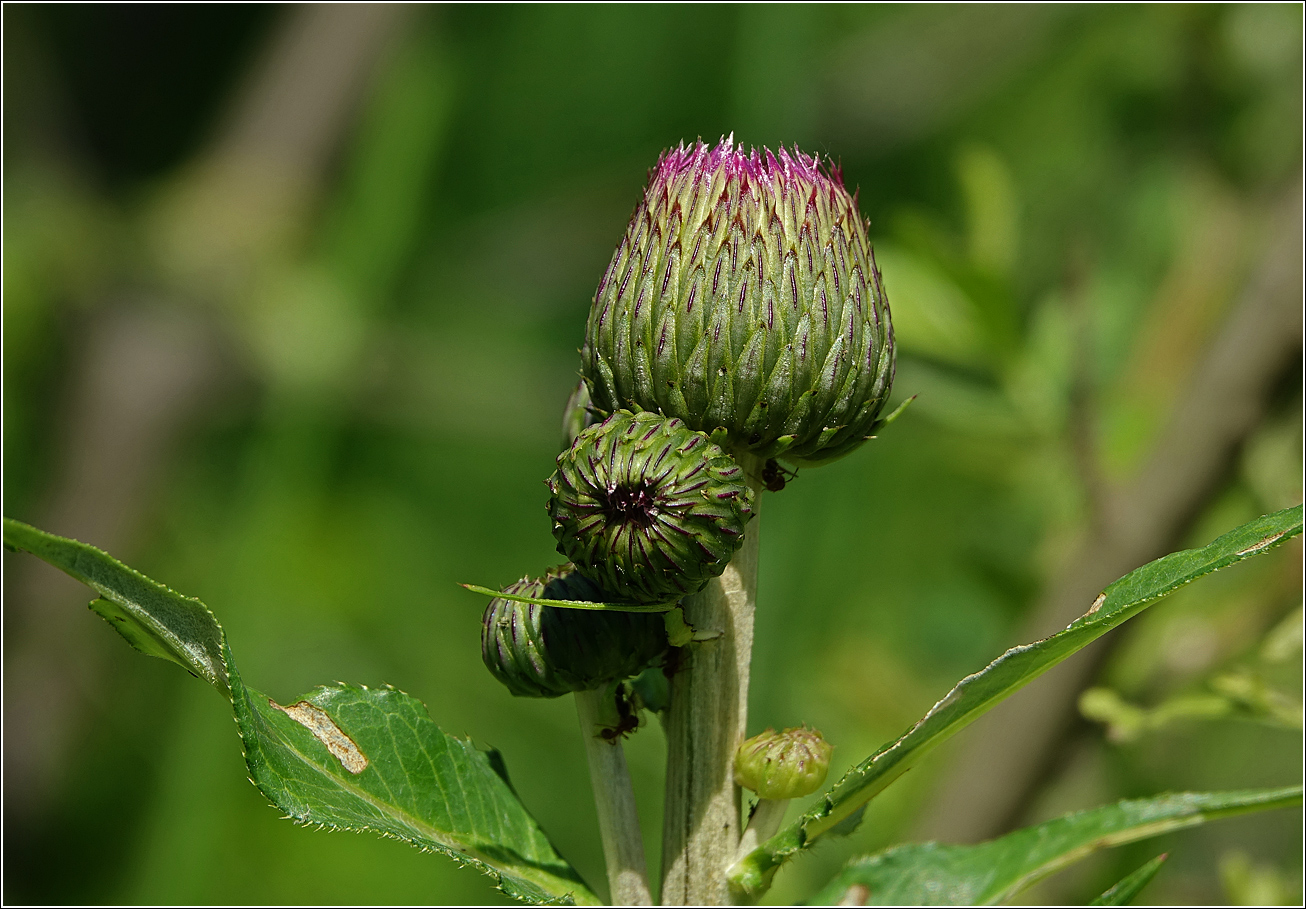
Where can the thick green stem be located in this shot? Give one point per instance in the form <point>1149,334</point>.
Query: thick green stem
<point>706,723</point>
<point>623,846</point>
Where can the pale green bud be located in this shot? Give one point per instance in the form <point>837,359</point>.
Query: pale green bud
<point>783,765</point>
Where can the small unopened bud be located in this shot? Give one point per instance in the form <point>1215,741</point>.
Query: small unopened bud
<point>548,651</point>
<point>647,508</point>
<point>783,765</point>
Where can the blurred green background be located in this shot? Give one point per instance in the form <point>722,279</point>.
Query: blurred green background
<point>292,303</point>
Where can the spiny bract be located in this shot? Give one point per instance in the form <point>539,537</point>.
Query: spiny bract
<point>647,508</point>
<point>548,651</point>
<point>744,297</point>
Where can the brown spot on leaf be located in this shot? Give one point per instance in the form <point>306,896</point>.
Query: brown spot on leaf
<point>856,895</point>
<point>325,730</point>
<point>1097,604</point>
<point>1261,544</point>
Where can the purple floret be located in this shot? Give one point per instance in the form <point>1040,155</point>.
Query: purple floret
<point>796,168</point>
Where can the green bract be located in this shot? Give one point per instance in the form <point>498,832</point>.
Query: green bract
<point>647,508</point>
<point>783,765</point>
<point>544,651</point>
<point>744,296</point>
<point>578,414</point>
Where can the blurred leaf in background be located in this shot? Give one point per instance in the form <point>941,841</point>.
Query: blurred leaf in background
<point>292,304</point>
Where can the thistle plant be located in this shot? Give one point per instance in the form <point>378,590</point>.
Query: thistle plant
<point>741,320</point>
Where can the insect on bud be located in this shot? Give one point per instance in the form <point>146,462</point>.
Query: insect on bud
<point>548,651</point>
<point>647,508</point>
<point>744,296</point>
<point>783,765</point>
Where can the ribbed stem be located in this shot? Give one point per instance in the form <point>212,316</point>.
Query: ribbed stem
<point>623,846</point>
<point>706,723</point>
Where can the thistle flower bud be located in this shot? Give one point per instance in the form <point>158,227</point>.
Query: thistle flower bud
<point>647,508</point>
<point>783,765</point>
<point>744,296</point>
<point>577,415</point>
<point>547,651</point>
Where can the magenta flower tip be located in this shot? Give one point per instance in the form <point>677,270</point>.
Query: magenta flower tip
<point>794,167</point>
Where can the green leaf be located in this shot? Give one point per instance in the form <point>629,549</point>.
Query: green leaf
<point>977,693</point>
<point>897,412</point>
<point>355,758</point>
<point>345,756</point>
<point>153,619</point>
<point>617,606</point>
<point>933,875</point>
<point>1122,893</point>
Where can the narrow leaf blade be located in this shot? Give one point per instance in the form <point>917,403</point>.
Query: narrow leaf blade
<point>977,693</point>
<point>930,874</point>
<point>1124,892</point>
<point>570,604</point>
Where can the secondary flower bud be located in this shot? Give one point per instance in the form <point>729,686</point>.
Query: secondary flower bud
<point>783,765</point>
<point>647,508</point>
<point>744,295</point>
<point>577,415</point>
<point>547,651</point>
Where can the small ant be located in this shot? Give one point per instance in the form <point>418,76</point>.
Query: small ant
<point>624,727</point>
<point>627,718</point>
<point>671,662</point>
<point>774,476</point>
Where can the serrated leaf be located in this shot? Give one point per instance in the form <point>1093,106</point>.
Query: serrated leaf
<point>345,757</point>
<point>1128,888</point>
<point>153,619</point>
<point>933,875</point>
<point>977,693</point>
<point>356,758</point>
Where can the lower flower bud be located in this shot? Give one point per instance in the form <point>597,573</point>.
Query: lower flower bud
<point>548,651</point>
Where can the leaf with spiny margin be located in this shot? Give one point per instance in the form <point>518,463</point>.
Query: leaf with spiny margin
<point>974,695</point>
<point>929,874</point>
<point>1128,888</point>
<point>153,619</point>
<point>345,756</point>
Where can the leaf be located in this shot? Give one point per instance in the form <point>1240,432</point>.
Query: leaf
<point>153,619</point>
<point>355,758</point>
<point>571,604</point>
<point>977,693</point>
<point>346,757</point>
<point>933,875</point>
<point>1122,893</point>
